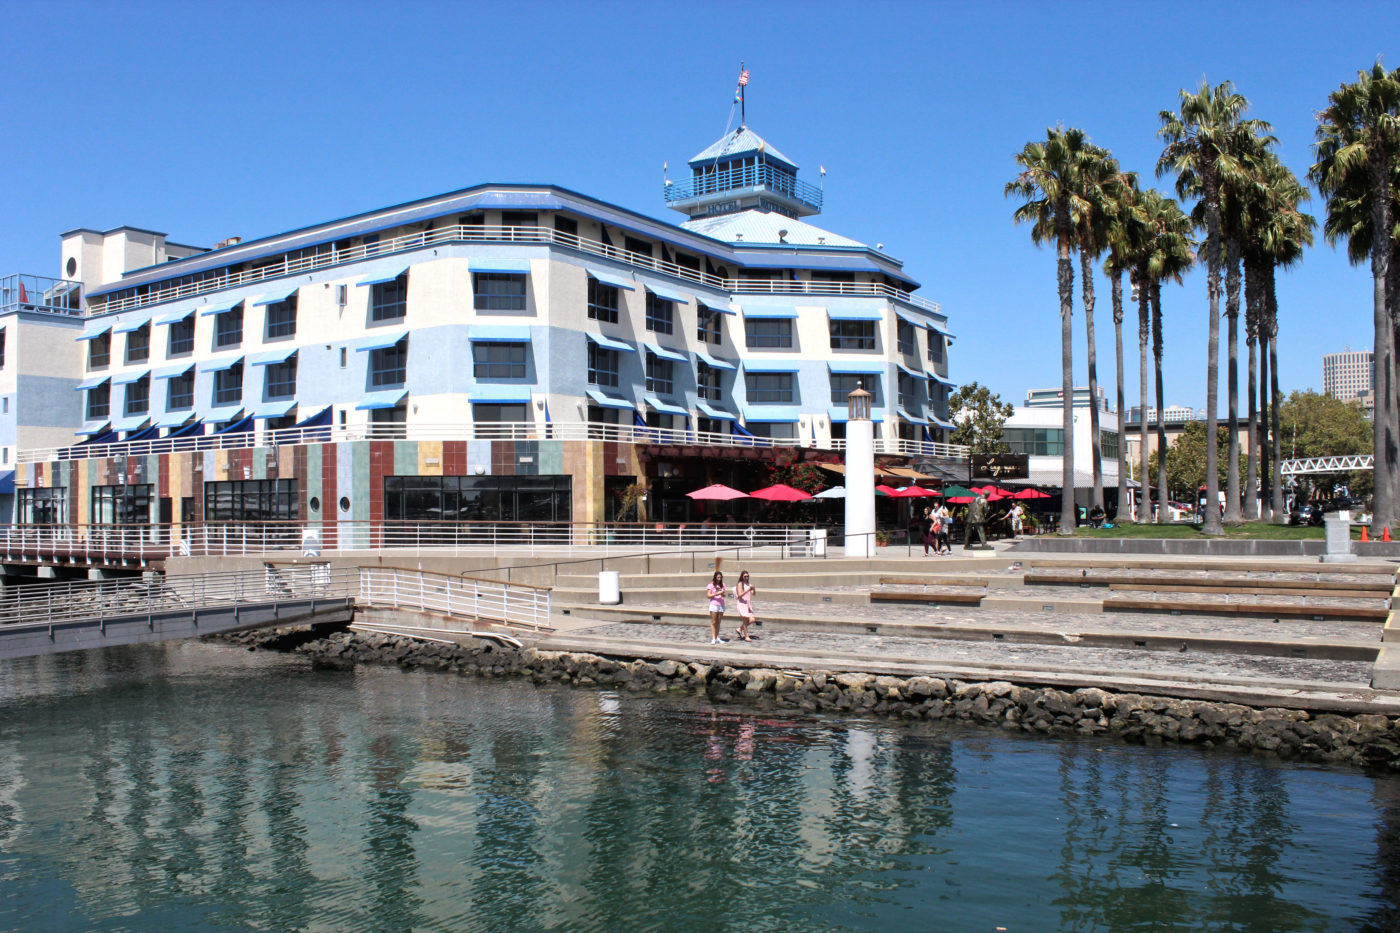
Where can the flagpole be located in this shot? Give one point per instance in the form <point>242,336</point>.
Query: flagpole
<point>743,117</point>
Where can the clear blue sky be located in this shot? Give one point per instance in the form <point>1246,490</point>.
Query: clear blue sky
<point>207,121</point>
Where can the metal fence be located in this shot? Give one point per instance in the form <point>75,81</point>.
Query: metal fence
<point>492,601</point>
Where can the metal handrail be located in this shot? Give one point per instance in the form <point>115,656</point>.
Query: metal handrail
<point>514,604</point>
<point>749,176</point>
<point>494,431</point>
<point>462,233</point>
<point>22,291</point>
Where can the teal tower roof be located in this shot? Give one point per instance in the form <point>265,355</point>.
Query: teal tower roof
<point>741,172</point>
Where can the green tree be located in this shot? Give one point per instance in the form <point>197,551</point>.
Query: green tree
<point>1358,143</point>
<point>979,415</point>
<point>1187,461</point>
<point>1201,148</point>
<point>1317,425</point>
<point>1049,184</point>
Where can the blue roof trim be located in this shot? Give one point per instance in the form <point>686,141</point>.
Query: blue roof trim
<point>842,368</point>
<point>669,294</point>
<point>379,278</point>
<point>379,342</point>
<point>500,393</point>
<point>607,401</point>
<point>841,414</point>
<point>499,333</point>
<point>92,382</point>
<point>769,311</point>
<point>611,278</point>
<point>610,343</point>
<point>710,411</point>
<point>668,407</point>
<point>667,354</point>
<point>771,366</point>
<point>508,266</point>
<point>279,295</point>
<point>221,364</point>
<point>172,317</point>
<point>272,356</point>
<point>785,414</point>
<point>854,314</point>
<point>274,409</point>
<point>385,399</point>
<point>713,362</point>
<point>219,307</point>
<point>127,378</point>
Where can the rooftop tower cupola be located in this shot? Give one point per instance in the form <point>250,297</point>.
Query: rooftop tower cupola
<point>741,172</point>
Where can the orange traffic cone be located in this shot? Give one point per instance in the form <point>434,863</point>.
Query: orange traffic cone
<point>1385,533</point>
<point>1364,536</point>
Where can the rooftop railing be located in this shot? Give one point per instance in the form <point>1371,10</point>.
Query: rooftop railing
<point>490,431</point>
<point>308,261</point>
<point>41,294</point>
<point>751,176</point>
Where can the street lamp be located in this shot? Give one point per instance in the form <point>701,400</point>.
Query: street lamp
<point>860,476</point>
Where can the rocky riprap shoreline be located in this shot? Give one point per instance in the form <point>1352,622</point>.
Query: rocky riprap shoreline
<point>1369,740</point>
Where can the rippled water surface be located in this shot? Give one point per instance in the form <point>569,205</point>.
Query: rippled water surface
<point>200,787</point>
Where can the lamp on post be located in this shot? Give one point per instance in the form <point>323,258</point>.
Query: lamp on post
<point>858,404</point>
<point>860,476</point>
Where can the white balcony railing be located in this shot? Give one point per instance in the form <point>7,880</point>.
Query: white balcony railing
<point>309,261</point>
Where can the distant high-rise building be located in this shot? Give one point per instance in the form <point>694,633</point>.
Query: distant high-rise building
<point>1347,376</point>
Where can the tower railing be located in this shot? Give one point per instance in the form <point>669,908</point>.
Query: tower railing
<point>41,294</point>
<point>763,175</point>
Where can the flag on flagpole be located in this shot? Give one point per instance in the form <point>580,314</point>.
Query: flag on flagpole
<point>743,77</point>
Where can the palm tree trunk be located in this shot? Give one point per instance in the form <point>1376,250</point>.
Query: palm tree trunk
<point>1164,513</point>
<point>1250,506</point>
<point>1233,514</point>
<point>1266,501</point>
<point>1386,455</point>
<point>1211,512</point>
<point>1276,397</point>
<point>1144,331</point>
<point>1086,275</point>
<point>1065,275</point>
<point>1117,289</point>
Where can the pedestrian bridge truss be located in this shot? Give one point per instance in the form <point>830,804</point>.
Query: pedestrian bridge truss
<point>1339,464</point>
<point>37,619</point>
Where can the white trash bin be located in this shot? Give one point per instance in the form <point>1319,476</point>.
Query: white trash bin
<point>818,542</point>
<point>609,587</point>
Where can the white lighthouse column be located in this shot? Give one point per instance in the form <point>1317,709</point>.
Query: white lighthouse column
<point>860,477</point>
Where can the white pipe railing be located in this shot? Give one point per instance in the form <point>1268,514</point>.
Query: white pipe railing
<point>490,601</point>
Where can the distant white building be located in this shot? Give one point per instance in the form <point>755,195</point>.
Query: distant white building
<point>1037,429</point>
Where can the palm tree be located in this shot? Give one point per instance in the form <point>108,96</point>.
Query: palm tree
<point>1171,256</point>
<point>1122,230</point>
<point>1048,182</point>
<point>1200,149</point>
<point>1358,143</point>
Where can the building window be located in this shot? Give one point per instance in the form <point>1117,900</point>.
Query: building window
<point>518,498</point>
<point>777,430</point>
<point>1109,444</point>
<point>282,318</point>
<point>770,388</point>
<point>498,362</point>
<point>904,332</point>
<point>42,506</point>
<point>228,385</point>
<point>256,500</point>
<point>661,314</point>
<point>843,384</point>
<point>497,413</point>
<point>121,505</point>
<point>707,384</point>
<point>852,335</point>
<point>138,344</point>
<point>602,301</point>
<point>659,375</point>
<point>767,333</point>
<point>665,421</point>
<point>908,393</point>
<point>711,426</point>
<point>1040,442</point>
<point>228,328</point>
<point>394,414</point>
<point>138,397</point>
<point>181,339</point>
<point>2,348</point>
<point>388,367</point>
<point>99,401</point>
<point>517,219</point>
<point>708,326</point>
<point>388,301</point>
<point>180,394</point>
<point>566,225</point>
<point>634,245</point>
<point>935,347</point>
<point>281,379</point>
<point>602,365</point>
<point>100,351</point>
<point>499,291</point>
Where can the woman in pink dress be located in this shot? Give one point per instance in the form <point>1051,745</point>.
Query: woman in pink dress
<point>715,593</point>
<point>744,592</point>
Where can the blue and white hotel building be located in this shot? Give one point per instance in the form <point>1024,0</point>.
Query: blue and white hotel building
<point>503,352</point>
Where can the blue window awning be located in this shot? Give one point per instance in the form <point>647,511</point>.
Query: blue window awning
<point>192,429</point>
<point>712,362</point>
<point>271,357</point>
<point>499,333</point>
<point>237,427</point>
<point>126,378</point>
<point>854,314</point>
<point>219,365</point>
<point>783,414</point>
<point>613,279</point>
<point>934,419</point>
<point>379,278</point>
<point>170,372</point>
<point>173,317</point>
<point>129,324</point>
<point>220,415</point>
<point>321,419</point>
<point>91,428</point>
<point>277,294</point>
<point>916,373</point>
<point>938,329</point>
<point>912,419</point>
<point>507,266</point>
<point>274,409</point>
<point>130,424</point>
<point>219,308</point>
<point>840,414</point>
<point>841,367</point>
<point>723,307</point>
<point>669,294</point>
<point>379,341</point>
<point>500,394</point>
<point>608,401</point>
<point>770,312</point>
<point>667,407</point>
<point>173,419</point>
<point>770,366</point>
<point>385,399</point>
<point>92,382</point>
<point>710,411</point>
<point>941,380</point>
<point>611,344</point>
<point>7,483</point>
<point>666,354</point>
<point>94,330</point>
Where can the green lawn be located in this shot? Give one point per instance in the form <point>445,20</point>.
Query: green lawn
<point>1187,530</point>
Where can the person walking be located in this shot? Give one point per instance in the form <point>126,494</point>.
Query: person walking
<point>743,593</point>
<point>715,593</point>
<point>1017,517</point>
<point>942,530</point>
<point>927,527</point>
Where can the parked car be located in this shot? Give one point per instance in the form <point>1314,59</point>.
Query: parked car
<point>1305,515</point>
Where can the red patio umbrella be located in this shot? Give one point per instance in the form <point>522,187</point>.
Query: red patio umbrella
<point>883,490</point>
<point>1031,494</point>
<point>960,500</point>
<point>913,492</point>
<point>718,492</point>
<point>780,493</point>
